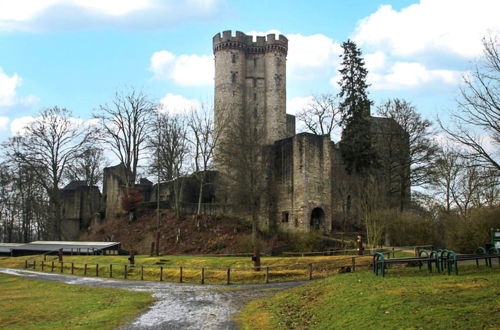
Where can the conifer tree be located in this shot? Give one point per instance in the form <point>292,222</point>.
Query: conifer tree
<point>356,143</point>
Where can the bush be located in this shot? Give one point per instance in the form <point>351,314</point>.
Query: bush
<point>131,199</point>
<point>409,228</point>
<point>466,234</point>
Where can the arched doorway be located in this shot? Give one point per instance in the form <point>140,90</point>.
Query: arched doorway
<point>317,218</point>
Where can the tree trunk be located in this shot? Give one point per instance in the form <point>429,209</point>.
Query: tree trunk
<point>200,196</point>
<point>255,242</point>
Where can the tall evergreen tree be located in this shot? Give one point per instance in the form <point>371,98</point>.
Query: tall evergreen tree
<point>356,143</point>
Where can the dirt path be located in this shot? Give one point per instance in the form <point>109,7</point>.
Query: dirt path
<point>179,306</point>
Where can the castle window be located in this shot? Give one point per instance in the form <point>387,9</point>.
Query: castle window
<point>255,62</point>
<point>284,216</point>
<point>277,60</point>
<point>233,58</point>
<point>233,76</point>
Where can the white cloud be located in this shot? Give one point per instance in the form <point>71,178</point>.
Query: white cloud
<point>386,75</point>
<point>403,75</point>
<point>296,104</point>
<point>4,123</point>
<point>308,56</point>
<point>375,61</point>
<point>184,70</point>
<point>18,125</point>
<point>8,91</point>
<point>74,14</point>
<point>178,104</point>
<point>455,26</point>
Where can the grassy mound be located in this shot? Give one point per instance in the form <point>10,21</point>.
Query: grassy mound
<point>406,298</point>
<point>32,304</point>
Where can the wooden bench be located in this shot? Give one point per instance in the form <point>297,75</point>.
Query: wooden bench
<point>380,262</point>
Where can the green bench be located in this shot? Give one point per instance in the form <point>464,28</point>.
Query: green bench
<point>380,262</point>
<point>452,259</point>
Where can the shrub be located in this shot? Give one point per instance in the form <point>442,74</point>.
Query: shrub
<point>131,199</point>
<point>466,234</point>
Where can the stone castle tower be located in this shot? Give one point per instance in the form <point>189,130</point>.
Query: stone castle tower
<point>250,76</point>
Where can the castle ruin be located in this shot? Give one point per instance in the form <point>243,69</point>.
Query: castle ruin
<point>308,187</point>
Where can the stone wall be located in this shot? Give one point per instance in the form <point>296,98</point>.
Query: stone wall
<point>80,204</point>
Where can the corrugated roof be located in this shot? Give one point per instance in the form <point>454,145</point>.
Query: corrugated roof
<point>7,247</point>
<point>65,245</point>
<point>48,246</point>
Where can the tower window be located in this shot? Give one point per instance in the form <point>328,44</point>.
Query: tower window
<point>255,62</point>
<point>233,58</point>
<point>233,76</point>
<point>284,216</point>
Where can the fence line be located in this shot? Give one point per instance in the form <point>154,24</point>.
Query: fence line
<point>229,275</point>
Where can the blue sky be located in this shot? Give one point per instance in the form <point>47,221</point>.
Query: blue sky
<point>77,53</point>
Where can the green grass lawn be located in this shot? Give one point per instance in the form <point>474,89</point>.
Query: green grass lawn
<point>281,268</point>
<point>33,304</point>
<point>406,298</point>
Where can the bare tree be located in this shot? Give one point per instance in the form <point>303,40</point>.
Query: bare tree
<point>48,147</point>
<point>465,184</point>
<point>204,137</point>
<point>477,118</point>
<point>446,169</point>
<point>126,125</point>
<point>321,115</point>
<point>89,167</point>
<point>242,156</point>
<point>171,148</point>
<point>422,148</point>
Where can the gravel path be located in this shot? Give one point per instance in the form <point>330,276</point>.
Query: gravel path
<point>179,306</point>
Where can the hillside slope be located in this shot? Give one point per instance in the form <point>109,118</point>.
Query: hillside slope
<point>190,234</point>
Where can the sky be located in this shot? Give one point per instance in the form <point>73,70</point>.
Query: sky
<point>78,53</point>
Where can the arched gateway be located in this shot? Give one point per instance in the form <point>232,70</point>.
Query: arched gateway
<point>317,218</point>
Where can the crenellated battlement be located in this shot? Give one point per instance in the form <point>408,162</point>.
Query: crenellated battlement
<point>244,42</point>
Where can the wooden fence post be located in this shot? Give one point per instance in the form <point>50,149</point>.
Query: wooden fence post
<point>229,276</point>
<point>202,275</point>
<point>267,274</point>
<point>110,270</point>
<point>52,267</point>
<point>180,274</point>
<point>96,270</point>
<point>125,272</point>
<point>142,273</point>
<point>85,270</point>
<point>310,268</point>
<point>34,264</point>
<point>26,264</point>
<point>161,273</point>
<point>353,264</point>
<point>72,268</point>
<point>43,264</point>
